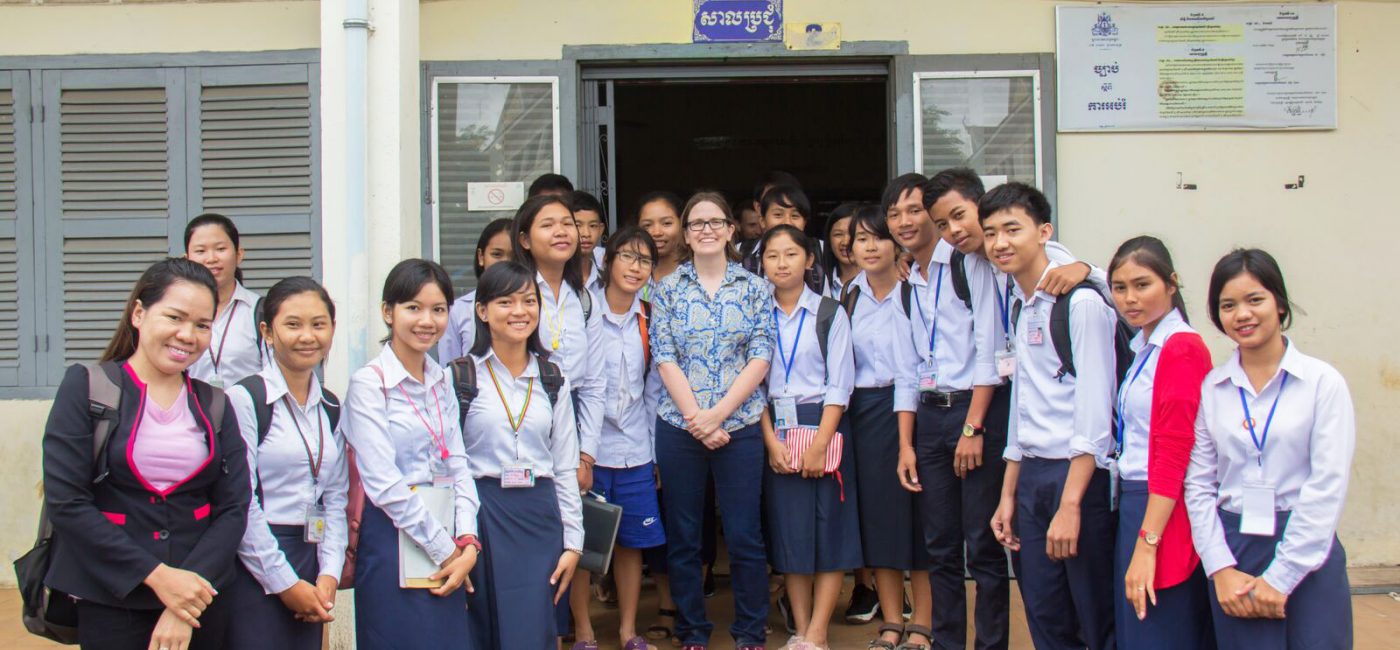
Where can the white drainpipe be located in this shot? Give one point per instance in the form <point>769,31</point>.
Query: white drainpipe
<point>357,29</point>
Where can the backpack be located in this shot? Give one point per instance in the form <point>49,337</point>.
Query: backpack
<point>50,613</point>
<point>961,288</point>
<point>850,293</point>
<point>1059,334</point>
<point>262,412</point>
<point>464,383</point>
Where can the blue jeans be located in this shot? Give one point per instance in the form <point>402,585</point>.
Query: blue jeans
<point>737,467</point>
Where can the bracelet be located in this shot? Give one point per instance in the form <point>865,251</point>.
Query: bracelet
<point>574,550</point>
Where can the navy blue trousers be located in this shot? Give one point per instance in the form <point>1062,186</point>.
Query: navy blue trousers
<point>263,621</point>
<point>1181,618</point>
<point>1068,603</point>
<point>388,617</point>
<point>956,515</point>
<point>103,627</point>
<point>737,467</point>
<point>1318,613</point>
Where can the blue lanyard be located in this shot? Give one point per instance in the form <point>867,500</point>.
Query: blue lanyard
<point>788,359</point>
<point>937,298</point>
<point>1261,440</point>
<point>1123,400</point>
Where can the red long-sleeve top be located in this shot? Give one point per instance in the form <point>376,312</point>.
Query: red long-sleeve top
<point>1176,396</point>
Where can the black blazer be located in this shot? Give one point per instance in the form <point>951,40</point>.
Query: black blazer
<point>110,535</point>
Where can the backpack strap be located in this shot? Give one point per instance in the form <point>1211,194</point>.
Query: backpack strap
<point>552,379</point>
<point>960,285</point>
<point>585,298</point>
<point>644,324</point>
<point>826,313</point>
<point>906,298</point>
<point>464,385</point>
<point>1015,316</point>
<point>262,411</point>
<point>1059,329</point>
<point>849,296</point>
<point>331,405</point>
<point>104,396</point>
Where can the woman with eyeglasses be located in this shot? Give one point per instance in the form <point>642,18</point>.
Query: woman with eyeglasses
<point>712,339</point>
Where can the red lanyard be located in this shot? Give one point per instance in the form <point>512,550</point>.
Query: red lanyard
<point>320,439</point>
<point>216,357</point>
<point>438,438</point>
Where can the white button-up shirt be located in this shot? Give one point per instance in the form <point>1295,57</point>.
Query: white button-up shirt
<point>883,339</point>
<point>1306,459</point>
<point>1135,395</point>
<point>1005,290</point>
<point>282,465</point>
<point>811,380</point>
<point>1071,415</point>
<point>628,427</point>
<point>547,440</point>
<point>964,346</point>
<point>233,351</point>
<point>395,449</point>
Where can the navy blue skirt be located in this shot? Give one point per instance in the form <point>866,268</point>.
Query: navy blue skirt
<point>263,621</point>
<point>388,617</point>
<point>891,529</point>
<point>1181,618</point>
<point>813,524</point>
<point>523,535</point>
<point>1318,613</point>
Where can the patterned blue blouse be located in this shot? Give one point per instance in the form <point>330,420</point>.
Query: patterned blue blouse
<point>712,339</point>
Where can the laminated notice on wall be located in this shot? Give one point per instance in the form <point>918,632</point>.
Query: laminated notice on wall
<point>1191,67</point>
<point>492,197</point>
<point>812,36</point>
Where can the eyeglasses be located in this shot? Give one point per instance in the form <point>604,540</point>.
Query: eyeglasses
<point>633,258</point>
<point>712,224</point>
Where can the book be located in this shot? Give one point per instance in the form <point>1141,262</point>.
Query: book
<point>415,566</point>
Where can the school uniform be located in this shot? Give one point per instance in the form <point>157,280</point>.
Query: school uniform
<point>461,328</point>
<point>526,524</point>
<point>1305,428</point>
<point>153,506</point>
<point>834,286</point>
<point>891,527</point>
<point>815,277</point>
<point>298,472</point>
<point>957,346</point>
<point>815,522</point>
<point>1052,421</point>
<point>236,349</point>
<point>406,434</point>
<point>625,470</point>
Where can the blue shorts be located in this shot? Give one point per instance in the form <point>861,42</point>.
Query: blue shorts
<point>634,489</point>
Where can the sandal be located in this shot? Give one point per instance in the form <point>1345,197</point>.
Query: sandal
<point>659,632</point>
<point>637,643</point>
<point>909,631</point>
<point>881,644</point>
<point>585,645</point>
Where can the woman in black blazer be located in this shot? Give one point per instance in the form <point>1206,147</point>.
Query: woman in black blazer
<point>146,535</point>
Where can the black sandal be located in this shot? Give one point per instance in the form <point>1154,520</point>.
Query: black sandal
<point>881,644</point>
<point>659,632</point>
<point>920,630</point>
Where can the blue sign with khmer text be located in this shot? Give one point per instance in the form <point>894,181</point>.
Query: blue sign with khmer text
<point>738,21</point>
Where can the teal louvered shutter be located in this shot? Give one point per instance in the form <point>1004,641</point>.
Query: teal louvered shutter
<point>252,157</point>
<point>18,345</point>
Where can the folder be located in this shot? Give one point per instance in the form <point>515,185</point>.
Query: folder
<point>414,563</point>
<point>600,523</point>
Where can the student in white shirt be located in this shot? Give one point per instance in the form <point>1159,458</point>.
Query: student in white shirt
<point>522,446</point>
<point>592,233</point>
<point>293,550</point>
<point>882,411</point>
<point>814,526</point>
<point>1055,502</point>
<point>839,265</point>
<point>236,348</point>
<point>1268,478</point>
<point>401,419</point>
<point>491,247</point>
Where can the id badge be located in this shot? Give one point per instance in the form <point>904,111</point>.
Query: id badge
<point>315,523</point>
<point>1257,516</point>
<point>928,378</point>
<point>517,475</point>
<point>784,413</point>
<point>1006,363</point>
<point>1035,330</point>
<point>1115,484</point>
<point>441,476</point>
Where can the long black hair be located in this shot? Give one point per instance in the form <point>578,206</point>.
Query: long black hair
<point>1150,253</point>
<point>504,279</point>
<point>829,261</point>
<point>520,227</point>
<point>492,229</point>
<point>215,219</point>
<point>409,277</point>
<point>293,286</point>
<point>1255,262</point>
<point>150,289</point>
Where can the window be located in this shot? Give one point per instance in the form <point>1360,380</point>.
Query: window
<point>100,169</point>
<point>983,120</point>
<point>485,129</point>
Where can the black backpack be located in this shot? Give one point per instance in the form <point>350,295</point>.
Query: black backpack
<point>906,298</point>
<point>960,284</point>
<point>464,383</point>
<point>1059,334</point>
<point>262,411</point>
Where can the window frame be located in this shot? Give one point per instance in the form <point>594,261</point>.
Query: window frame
<point>1033,75</point>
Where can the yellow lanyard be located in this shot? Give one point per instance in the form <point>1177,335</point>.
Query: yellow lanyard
<point>558,326</point>
<point>515,422</point>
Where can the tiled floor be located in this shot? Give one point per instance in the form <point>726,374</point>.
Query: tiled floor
<point>1377,620</point>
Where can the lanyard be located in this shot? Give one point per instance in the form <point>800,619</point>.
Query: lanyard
<point>788,359</point>
<point>1261,440</point>
<point>937,298</point>
<point>515,422</point>
<point>557,326</point>
<point>1123,400</point>
<point>216,357</point>
<point>1003,305</point>
<point>315,464</point>
<point>439,439</point>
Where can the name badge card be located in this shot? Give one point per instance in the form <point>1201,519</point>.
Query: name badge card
<point>1257,516</point>
<point>315,523</point>
<point>1006,363</point>
<point>784,413</point>
<point>517,475</point>
<point>928,377</point>
<point>1035,329</point>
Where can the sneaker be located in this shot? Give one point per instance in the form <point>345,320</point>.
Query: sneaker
<point>785,606</point>
<point>864,607</point>
<point>908,610</point>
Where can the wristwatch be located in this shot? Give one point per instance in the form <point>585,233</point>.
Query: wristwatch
<point>1151,538</point>
<point>970,431</point>
<point>468,540</point>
